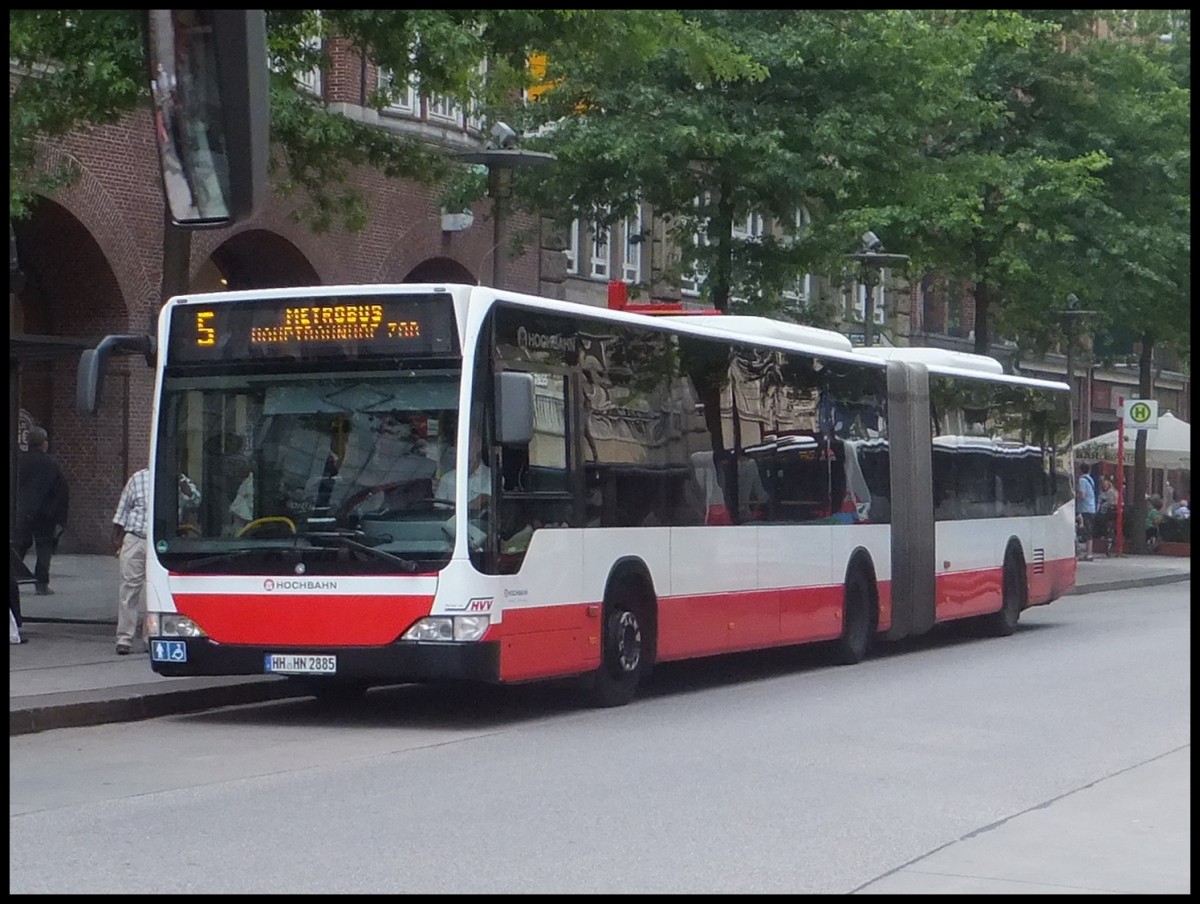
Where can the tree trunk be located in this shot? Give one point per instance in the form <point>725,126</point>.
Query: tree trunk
<point>983,303</point>
<point>719,277</point>
<point>983,292</point>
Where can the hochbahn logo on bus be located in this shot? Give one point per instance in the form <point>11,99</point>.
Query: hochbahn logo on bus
<point>543,341</point>
<point>271,584</point>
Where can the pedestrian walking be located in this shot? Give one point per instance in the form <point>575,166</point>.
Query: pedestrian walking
<point>42,502</point>
<point>1085,509</point>
<point>129,538</point>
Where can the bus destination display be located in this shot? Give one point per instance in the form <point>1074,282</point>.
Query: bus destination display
<point>364,326</point>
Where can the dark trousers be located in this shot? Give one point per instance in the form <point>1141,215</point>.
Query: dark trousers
<point>44,541</point>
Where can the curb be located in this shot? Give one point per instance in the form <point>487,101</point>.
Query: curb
<point>78,710</point>
<point>1077,590</point>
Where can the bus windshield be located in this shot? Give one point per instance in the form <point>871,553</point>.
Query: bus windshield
<point>306,469</point>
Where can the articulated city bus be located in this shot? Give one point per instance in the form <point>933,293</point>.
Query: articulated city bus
<point>442,482</point>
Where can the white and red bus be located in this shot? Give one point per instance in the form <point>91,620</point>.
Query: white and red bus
<point>642,489</point>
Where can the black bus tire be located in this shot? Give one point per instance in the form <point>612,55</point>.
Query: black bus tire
<point>858,618</point>
<point>624,647</point>
<point>1003,622</point>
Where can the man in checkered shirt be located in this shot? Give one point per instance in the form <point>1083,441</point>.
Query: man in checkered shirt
<point>129,538</point>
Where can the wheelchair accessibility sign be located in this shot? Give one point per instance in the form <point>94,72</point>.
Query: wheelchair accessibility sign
<point>168,651</point>
<point>1141,414</point>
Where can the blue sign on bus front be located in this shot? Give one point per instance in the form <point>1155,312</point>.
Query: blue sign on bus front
<point>168,651</point>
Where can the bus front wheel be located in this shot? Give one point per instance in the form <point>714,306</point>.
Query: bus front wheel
<point>624,653</point>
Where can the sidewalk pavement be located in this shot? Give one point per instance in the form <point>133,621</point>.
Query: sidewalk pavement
<point>69,674</point>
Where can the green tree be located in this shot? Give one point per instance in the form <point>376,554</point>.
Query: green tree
<point>80,68</point>
<point>994,202</point>
<point>1078,182</point>
<point>834,121</point>
<point>1141,242</point>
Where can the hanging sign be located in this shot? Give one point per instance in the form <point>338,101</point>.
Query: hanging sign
<point>1141,414</point>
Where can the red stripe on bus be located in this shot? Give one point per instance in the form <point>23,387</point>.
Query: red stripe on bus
<point>549,640</point>
<point>563,640</point>
<point>1057,578</point>
<point>965,593</point>
<point>284,620</point>
<point>705,624</point>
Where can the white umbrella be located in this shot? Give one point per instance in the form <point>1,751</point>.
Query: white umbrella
<point>1169,446</point>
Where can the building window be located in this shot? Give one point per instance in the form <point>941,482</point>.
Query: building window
<point>631,236</point>
<point>800,290</point>
<point>749,229</point>
<point>402,97</point>
<point>691,281</point>
<point>601,250</point>
<point>474,115</point>
<point>572,249</point>
<point>444,109</point>
<point>311,81</point>
<point>879,295</point>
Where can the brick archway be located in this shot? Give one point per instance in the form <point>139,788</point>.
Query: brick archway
<point>440,270</point>
<point>261,259</point>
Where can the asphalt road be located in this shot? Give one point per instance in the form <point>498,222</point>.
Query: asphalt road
<point>1053,761</point>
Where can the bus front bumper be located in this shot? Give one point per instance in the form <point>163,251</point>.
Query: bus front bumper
<point>398,662</point>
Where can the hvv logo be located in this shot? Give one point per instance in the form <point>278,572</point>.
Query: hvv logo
<point>475,604</point>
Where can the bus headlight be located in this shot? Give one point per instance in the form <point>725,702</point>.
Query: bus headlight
<point>171,624</point>
<point>448,628</point>
<point>470,627</point>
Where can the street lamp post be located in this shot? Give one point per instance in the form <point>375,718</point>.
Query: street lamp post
<point>873,259</point>
<point>1071,315</point>
<point>501,158</point>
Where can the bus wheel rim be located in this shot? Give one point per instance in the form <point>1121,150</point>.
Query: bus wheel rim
<point>628,638</point>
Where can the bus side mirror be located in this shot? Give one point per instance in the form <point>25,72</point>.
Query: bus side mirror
<point>514,408</point>
<point>93,363</point>
<point>210,98</point>
<point>89,381</point>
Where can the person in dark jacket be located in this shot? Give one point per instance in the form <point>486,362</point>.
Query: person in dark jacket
<point>42,502</point>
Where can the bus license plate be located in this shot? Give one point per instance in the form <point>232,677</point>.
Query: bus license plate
<point>289,664</point>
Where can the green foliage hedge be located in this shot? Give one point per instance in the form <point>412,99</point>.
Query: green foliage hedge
<point>1175,530</point>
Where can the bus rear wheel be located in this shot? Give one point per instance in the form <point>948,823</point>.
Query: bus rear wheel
<point>858,619</point>
<point>1013,592</point>
<point>623,654</point>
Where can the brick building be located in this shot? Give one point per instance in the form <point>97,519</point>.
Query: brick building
<point>91,257</point>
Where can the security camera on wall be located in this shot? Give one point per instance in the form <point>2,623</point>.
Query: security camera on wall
<point>503,137</point>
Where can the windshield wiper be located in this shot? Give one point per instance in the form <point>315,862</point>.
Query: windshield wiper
<point>347,541</point>
<point>194,564</point>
